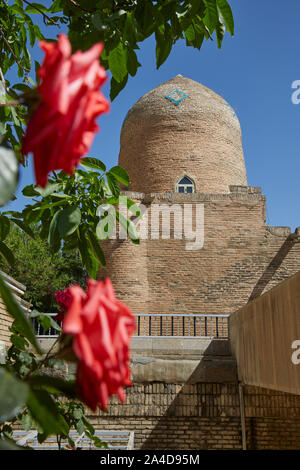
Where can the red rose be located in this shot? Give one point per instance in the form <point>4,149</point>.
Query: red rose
<point>64,299</point>
<point>62,128</point>
<point>102,327</point>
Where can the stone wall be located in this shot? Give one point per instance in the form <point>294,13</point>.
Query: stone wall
<point>204,416</point>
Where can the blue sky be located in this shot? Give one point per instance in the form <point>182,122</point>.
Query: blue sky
<point>253,72</point>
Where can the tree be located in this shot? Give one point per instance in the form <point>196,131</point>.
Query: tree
<point>121,25</point>
<point>42,273</point>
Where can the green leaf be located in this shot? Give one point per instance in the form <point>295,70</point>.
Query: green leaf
<point>97,250</point>
<point>19,342</point>
<point>164,44</point>
<point>91,162</point>
<point>4,227</point>
<point>120,174</point>
<point>7,444</point>
<point>24,227</point>
<point>13,395</point>
<point>56,6</point>
<point>45,412</point>
<point>71,243</point>
<point>113,184</point>
<point>190,33</point>
<point>49,189</point>
<point>117,61</point>
<point>53,236</point>
<point>54,385</point>
<point>132,62</point>
<point>8,175</point>
<point>116,87</point>
<point>226,12</point>
<point>7,254</point>
<point>129,32</point>
<point>68,221</point>
<point>211,15</point>
<point>34,8</point>
<point>129,227</point>
<point>27,422</point>
<point>79,426</point>
<point>87,256</point>
<point>30,191</point>
<point>220,31</point>
<point>14,309</point>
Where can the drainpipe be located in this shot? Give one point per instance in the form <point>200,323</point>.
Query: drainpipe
<point>242,413</point>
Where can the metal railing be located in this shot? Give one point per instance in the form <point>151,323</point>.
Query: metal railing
<point>168,326</point>
<point>115,440</point>
<point>41,332</point>
<point>182,326</point>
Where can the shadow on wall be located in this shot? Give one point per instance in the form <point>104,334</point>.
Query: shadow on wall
<point>272,268</point>
<point>205,411</point>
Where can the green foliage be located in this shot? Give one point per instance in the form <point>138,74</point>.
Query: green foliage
<point>17,31</point>
<point>67,210</point>
<point>30,394</point>
<point>13,395</point>
<point>42,272</point>
<point>121,25</point>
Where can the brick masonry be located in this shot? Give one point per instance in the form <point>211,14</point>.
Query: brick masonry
<point>201,137</point>
<point>5,323</point>
<point>242,258</point>
<point>205,416</point>
<point>5,319</point>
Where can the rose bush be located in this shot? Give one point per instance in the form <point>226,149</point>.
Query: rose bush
<point>62,127</point>
<point>102,327</point>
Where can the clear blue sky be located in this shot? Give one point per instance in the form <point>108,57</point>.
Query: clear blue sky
<point>253,72</point>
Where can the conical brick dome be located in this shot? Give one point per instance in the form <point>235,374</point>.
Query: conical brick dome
<point>192,133</point>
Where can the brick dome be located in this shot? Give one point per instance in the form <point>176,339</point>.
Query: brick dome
<point>200,137</point>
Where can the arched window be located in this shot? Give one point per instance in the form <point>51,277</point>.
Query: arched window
<point>185,185</point>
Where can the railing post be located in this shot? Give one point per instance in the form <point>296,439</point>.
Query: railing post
<point>139,326</point>
<point>172,326</point>
<point>161,326</point>
<point>195,326</point>
<point>149,325</point>
<point>217,327</point>
<point>205,325</point>
<point>183,334</point>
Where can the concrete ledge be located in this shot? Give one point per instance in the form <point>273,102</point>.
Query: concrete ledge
<point>168,346</point>
<point>180,347</point>
<point>147,369</point>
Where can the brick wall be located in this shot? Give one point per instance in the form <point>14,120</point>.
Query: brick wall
<point>241,258</point>
<point>201,138</point>
<point>204,416</point>
<point>18,290</point>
